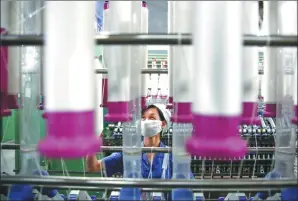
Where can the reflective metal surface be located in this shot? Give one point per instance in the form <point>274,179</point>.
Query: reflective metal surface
<point>145,183</point>
<point>153,39</point>
<point>144,149</point>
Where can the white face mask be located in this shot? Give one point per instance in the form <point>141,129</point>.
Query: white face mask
<point>150,128</point>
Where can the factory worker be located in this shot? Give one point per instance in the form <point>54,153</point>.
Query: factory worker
<point>155,120</point>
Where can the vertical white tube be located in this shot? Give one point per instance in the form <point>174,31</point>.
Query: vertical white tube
<point>30,82</point>
<point>131,134</point>
<point>106,27</point>
<point>99,81</point>
<point>40,52</point>
<point>136,58</point>
<point>270,27</point>
<point>285,133</point>
<point>218,80</point>
<point>119,64</point>
<point>99,78</point>
<point>98,89</point>
<point>182,74</point>
<point>144,56</point>
<point>285,142</point>
<point>183,59</point>
<point>250,24</point>
<point>14,55</point>
<point>38,19</point>
<point>288,26</point>
<point>171,63</point>
<point>69,80</point>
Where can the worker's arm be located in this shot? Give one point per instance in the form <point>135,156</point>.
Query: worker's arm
<point>94,165</point>
<point>111,164</point>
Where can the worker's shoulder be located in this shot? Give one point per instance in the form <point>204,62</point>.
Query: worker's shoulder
<point>116,155</point>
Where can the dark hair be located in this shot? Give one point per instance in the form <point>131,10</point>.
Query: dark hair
<point>160,114</point>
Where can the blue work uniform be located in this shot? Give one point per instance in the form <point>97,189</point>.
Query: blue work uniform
<point>161,166</point>
<point>114,165</point>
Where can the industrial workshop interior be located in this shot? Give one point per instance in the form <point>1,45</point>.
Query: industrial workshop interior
<point>148,100</point>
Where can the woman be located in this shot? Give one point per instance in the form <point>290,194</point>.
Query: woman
<point>155,119</point>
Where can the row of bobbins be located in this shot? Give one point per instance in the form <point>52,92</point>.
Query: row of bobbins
<point>217,100</point>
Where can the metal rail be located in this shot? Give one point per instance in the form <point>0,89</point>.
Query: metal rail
<point>144,149</point>
<point>153,39</point>
<point>144,71</point>
<point>157,71</point>
<point>106,182</point>
<point>230,190</point>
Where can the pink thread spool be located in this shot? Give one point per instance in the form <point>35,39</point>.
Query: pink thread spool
<point>4,78</point>
<point>69,81</point>
<point>218,85</point>
<point>270,27</point>
<point>144,56</point>
<point>182,57</point>
<point>119,66</point>
<point>250,65</point>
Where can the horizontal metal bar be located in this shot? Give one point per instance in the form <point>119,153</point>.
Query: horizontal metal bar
<point>231,190</point>
<point>144,149</point>
<point>169,149</point>
<point>196,174</point>
<point>153,71</point>
<point>153,39</point>
<point>105,71</point>
<point>270,41</point>
<point>144,71</point>
<point>107,182</point>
